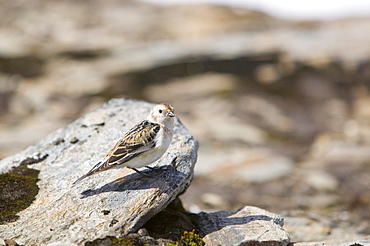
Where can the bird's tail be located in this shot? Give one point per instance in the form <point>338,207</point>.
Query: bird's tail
<point>80,179</point>
<point>94,170</point>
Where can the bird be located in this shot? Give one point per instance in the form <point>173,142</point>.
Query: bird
<point>142,145</point>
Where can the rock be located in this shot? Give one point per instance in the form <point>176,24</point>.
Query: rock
<point>255,165</point>
<point>305,229</point>
<point>171,223</point>
<point>216,228</point>
<point>320,180</point>
<point>192,87</point>
<point>25,66</point>
<point>247,226</point>
<point>213,200</point>
<point>309,229</point>
<point>10,242</point>
<point>364,242</point>
<point>112,203</point>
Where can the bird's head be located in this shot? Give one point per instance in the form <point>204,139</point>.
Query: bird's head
<point>162,113</point>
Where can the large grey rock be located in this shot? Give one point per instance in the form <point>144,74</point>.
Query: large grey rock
<point>247,226</point>
<point>112,203</point>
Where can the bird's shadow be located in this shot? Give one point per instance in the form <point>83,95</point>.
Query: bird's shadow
<point>158,177</point>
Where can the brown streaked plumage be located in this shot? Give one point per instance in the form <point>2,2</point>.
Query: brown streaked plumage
<point>142,145</point>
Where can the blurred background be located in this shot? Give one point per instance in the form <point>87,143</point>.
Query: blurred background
<point>277,95</point>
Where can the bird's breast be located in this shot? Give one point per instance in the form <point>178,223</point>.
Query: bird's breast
<point>163,140</point>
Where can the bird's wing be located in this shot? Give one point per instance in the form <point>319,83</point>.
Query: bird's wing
<point>136,141</point>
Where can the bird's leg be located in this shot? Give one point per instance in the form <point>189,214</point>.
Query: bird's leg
<point>139,171</point>
<point>156,168</point>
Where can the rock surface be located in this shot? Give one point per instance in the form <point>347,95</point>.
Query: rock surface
<point>365,242</point>
<point>247,226</point>
<point>112,203</point>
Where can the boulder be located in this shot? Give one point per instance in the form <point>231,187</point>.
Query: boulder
<point>111,203</point>
<point>247,226</point>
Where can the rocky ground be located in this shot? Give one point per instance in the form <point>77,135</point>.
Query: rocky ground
<point>280,109</point>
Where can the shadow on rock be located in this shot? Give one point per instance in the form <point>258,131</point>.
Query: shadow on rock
<point>147,179</point>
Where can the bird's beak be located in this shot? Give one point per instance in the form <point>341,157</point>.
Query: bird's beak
<point>171,114</point>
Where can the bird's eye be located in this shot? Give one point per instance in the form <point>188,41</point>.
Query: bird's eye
<point>160,111</point>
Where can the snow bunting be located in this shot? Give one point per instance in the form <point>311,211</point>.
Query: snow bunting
<point>142,145</point>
